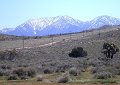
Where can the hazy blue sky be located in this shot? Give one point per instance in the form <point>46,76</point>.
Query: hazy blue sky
<point>16,12</point>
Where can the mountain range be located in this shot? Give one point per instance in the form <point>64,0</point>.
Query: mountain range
<point>58,25</point>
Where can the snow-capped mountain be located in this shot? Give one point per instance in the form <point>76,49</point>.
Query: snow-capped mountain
<point>5,30</point>
<point>47,26</point>
<point>59,25</point>
<point>103,20</point>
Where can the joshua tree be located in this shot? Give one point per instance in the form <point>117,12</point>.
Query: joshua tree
<point>109,49</point>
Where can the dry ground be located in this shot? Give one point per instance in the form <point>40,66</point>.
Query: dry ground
<point>39,83</point>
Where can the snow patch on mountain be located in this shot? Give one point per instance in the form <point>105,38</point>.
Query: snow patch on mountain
<point>58,21</point>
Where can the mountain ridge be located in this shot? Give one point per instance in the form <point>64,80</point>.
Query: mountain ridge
<point>59,25</point>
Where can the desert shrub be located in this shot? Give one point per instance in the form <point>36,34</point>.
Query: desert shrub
<point>48,71</point>
<point>8,54</point>
<point>74,71</point>
<point>23,73</point>
<point>12,77</point>
<point>30,72</point>
<point>115,70</point>
<point>20,72</point>
<point>39,78</point>
<point>100,69</point>
<point>78,52</point>
<point>63,67</point>
<point>117,67</point>
<point>23,77</point>
<point>103,75</point>
<point>83,65</point>
<point>93,70</point>
<point>2,73</point>
<point>118,72</point>
<point>63,79</point>
<point>5,67</point>
<point>95,62</point>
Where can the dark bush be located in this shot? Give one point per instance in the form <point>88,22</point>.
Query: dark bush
<point>23,72</point>
<point>12,77</point>
<point>20,72</point>
<point>78,52</point>
<point>48,71</point>
<point>31,72</point>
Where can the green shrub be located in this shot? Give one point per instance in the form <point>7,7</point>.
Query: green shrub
<point>78,52</point>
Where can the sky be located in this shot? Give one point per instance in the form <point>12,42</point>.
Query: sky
<point>16,12</point>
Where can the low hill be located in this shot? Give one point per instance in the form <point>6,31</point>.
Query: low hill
<point>4,37</point>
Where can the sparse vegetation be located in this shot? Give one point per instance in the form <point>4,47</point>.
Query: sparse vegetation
<point>51,61</point>
<point>103,75</point>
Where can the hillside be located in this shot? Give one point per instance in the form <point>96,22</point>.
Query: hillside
<point>4,37</point>
<point>55,56</point>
